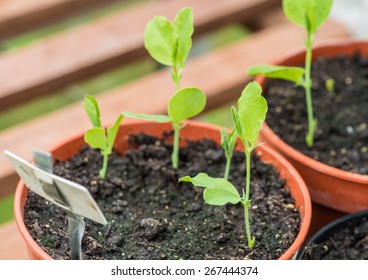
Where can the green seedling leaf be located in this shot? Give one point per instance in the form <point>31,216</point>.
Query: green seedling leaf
<point>112,131</point>
<point>228,140</point>
<point>184,30</point>
<point>185,104</point>
<point>293,74</point>
<point>309,14</point>
<point>148,117</point>
<point>218,191</point>
<point>90,105</point>
<point>96,138</point>
<point>219,196</point>
<point>252,112</point>
<point>159,40</point>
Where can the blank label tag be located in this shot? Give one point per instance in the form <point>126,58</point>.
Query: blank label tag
<point>63,193</point>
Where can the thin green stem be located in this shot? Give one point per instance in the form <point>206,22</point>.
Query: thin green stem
<point>247,227</point>
<point>227,167</point>
<point>176,77</point>
<point>250,240</point>
<point>175,153</point>
<point>104,166</point>
<point>308,91</point>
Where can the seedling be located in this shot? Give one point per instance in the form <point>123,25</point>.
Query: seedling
<point>248,120</point>
<point>185,104</point>
<point>99,137</point>
<point>169,43</point>
<point>310,15</point>
<point>228,141</point>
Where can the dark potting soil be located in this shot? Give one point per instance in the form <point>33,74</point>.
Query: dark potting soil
<point>151,216</point>
<point>349,243</point>
<point>341,139</point>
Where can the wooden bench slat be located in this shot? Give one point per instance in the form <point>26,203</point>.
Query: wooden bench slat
<point>22,16</point>
<point>221,74</point>
<point>104,44</point>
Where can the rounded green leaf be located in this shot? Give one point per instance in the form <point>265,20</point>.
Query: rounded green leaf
<point>219,191</point>
<point>184,30</point>
<point>309,14</point>
<point>96,138</point>
<point>185,104</point>
<point>252,108</point>
<point>159,40</point>
<point>220,196</point>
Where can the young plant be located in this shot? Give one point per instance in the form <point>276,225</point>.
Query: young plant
<point>248,120</point>
<point>99,137</point>
<point>310,15</point>
<point>169,43</point>
<point>183,105</point>
<point>228,141</point>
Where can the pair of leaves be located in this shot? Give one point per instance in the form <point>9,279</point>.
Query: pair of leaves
<point>249,119</point>
<point>169,43</point>
<point>218,191</point>
<point>309,14</point>
<point>183,105</point>
<point>97,137</point>
<point>103,140</point>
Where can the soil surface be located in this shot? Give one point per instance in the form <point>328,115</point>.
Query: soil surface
<point>350,243</point>
<point>151,216</point>
<point>341,139</point>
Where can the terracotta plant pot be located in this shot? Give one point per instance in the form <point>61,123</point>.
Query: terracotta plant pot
<point>325,233</point>
<point>193,131</point>
<point>334,188</point>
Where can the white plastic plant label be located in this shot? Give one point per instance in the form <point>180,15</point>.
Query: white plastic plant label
<point>63,193</point>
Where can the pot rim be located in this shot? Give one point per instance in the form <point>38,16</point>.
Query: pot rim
<point>292,152</point>
<point>22,191</point>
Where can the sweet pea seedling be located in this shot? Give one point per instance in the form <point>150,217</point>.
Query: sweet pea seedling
<point>248,120</point>
<point>228,141</point>
<point>169,43</point>
<point>185,104</point>
<point>310,15</point>
<point>98,137</point>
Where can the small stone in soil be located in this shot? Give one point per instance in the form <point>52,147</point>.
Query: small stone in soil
<point>151,228</point>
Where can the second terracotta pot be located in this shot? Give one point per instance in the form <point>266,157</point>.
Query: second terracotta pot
<point>334,188</point>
